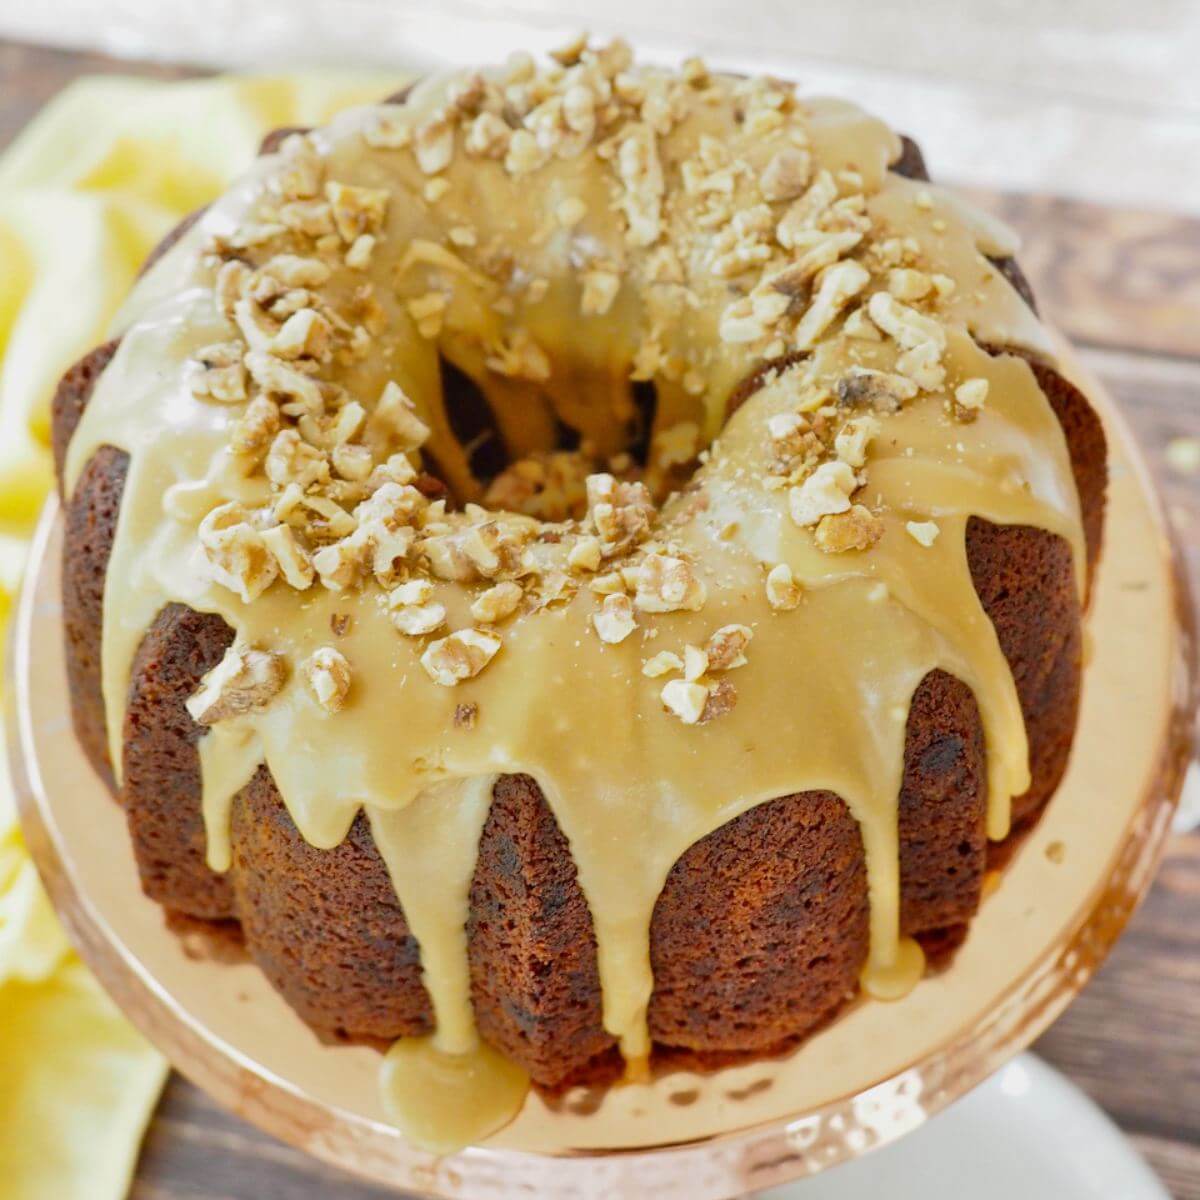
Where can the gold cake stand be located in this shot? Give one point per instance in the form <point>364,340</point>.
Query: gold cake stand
<point>875,1074</point>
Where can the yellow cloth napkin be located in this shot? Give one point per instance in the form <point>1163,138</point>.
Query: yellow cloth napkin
<point>102,173</point>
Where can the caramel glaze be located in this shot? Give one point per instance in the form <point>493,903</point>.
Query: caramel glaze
<point>829,701</point>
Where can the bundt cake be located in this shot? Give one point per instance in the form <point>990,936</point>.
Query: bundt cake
<point>581,562</point>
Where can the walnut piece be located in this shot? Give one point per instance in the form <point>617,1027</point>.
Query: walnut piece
<point>827,490</point>
<point>294,561</point>
<point>662,663</point>
<point>858,528</point>
<point>243,681</point>
<point>722,696</point>
<point>726,648</point>
<point>685,699</point>
<point>461,655</point>
<point>923,532</point>
<point>783,591</point>
<point>356,210</point>
<point>413,610</point>
<point>498,602</point>
<point>237,556</point>
<point>218,373</point>
<point>615,620</point>
<point>668,584</point>
<point>327,673</point>
<point>971,394</point>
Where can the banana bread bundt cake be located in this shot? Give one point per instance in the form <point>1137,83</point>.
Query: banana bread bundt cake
<point>582,562</point>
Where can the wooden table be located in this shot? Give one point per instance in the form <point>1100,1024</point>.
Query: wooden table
<point>1125,286</point>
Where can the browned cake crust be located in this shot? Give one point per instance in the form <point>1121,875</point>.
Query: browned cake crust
<point>90,527</point>
<point>325,925</point>
<point>161,789</point>
<point>534,980</point>
<point>72,394</point>
<point>761,930</point>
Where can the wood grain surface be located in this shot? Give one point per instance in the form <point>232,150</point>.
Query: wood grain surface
<point>1125,286</point>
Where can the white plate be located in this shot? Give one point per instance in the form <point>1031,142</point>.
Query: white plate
<point>1026,1133</point>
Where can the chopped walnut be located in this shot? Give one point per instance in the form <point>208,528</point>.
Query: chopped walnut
<point>817,250</point>
<point>662,663</point>
<point>243,681</point>
<point>295,271</point>
<point>433,144</point>
<point>907,284</point>
<point>685,699</point>
<point>863,387</point>
<point>294,561</point>
<point>570,212</point>
<point>786,175</point>
<point>641,172</point>
<point>519,357</point>
<point>327,674</point>
<point>615,620</point>
<point>694,71</point>
<point>300,171</point>
<point>394,424</point>
<point>620,512</point>
<point>599,291</point>
<point>726,648</point>
<point>428,311</point>
<point>859,325</point>
<point>232,278</point>
<point>569,54</point>
<point>417,620</point>
<point>695,663</point>
<point>459,656</point>
<point>783,591</point>
<point>293,461</point>
<point>305,334</point>
<point>236,553</point>
<point>387,130</point>
<point>909,327</point>
<point>853,439</point>
<point>722,697</point>
<point>837,286</point>
<point>499,601</point>
<point>585,555</point>
<point>487,136</point>
<point>356,210</point>
<point>311,218</point>
<point>924,532</point>
<point>276,377</point>
<point>608,584</point>
<point>805,212</point>
<point>971,394</point>
<point>358,257</point>
<point>352,462</point>
<point>415,591</point>
<point>219,374</point>
<point>676,446</point>
<point>668,584</point>
<point>858,528</point>
<point>340,566</point>
<point>523,154</point>
<point>826,491</point>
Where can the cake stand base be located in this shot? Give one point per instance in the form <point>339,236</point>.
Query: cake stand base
<point>875,1074</point>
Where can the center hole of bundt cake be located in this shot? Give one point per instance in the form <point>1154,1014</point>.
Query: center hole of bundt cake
<point>548,481</point>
